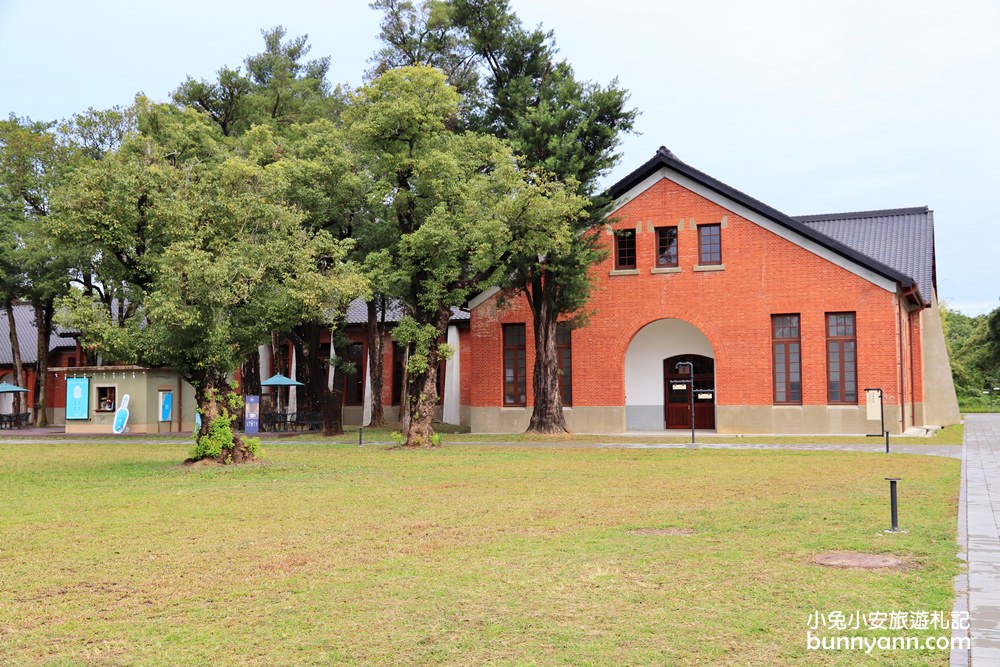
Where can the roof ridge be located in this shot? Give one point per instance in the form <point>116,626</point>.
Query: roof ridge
<point>850,215</point>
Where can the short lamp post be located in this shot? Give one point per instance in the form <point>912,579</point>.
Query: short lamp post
<point>690,367</point>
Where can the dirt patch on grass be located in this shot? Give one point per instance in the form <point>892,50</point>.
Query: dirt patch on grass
<point>858,560</point>
<point>200,463</point>
<point>662,531</point>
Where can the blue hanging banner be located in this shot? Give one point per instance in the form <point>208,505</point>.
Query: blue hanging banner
<point>77,398</point>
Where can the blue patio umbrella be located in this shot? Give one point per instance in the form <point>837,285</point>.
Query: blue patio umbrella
<point>280,380</point>
<point>8,388</point>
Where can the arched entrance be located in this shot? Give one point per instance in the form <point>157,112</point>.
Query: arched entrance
<point>677,391</point>
<point>646,398</point>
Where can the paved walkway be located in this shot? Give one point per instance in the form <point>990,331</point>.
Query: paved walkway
<point>978,519</point>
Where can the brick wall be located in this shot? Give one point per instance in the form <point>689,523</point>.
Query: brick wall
<point>763,274</point>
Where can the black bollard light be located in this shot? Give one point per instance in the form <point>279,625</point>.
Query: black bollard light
<point>360,429</point>
<point>894,505</point>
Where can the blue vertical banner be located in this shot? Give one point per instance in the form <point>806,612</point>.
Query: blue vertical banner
<point>77,398</point>
<point>251,415</point>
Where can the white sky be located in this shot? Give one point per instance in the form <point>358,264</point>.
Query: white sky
<point>810,107</point>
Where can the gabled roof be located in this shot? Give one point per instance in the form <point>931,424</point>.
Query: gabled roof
<point>27,336</point>
<point>665,159</point>
<point>902,238</point>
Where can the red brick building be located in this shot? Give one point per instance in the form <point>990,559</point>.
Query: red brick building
<point>785,321</point>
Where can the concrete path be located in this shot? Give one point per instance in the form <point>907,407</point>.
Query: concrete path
<point>979,534</point>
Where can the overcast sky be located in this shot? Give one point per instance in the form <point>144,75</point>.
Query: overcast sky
<point>847,105</point>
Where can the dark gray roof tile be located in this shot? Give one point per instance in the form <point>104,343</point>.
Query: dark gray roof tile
<point>24,321</point>
<point>902,238</point>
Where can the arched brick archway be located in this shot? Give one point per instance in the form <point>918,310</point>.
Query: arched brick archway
<point>657,341</point>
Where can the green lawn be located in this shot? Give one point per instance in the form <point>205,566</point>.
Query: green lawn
<point>113,554</point>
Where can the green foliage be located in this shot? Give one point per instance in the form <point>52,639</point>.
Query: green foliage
<point>974,351</point>
<point>199,233</point>
<point>220,439</point>
<point>461,205</point>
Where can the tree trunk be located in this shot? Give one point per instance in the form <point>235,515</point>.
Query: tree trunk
<point>319,396</point>
<point>250,375</point>
<point>547,414</point>
<point>376,349</point>
<point>216,401</point>
<point>333,413</point>
<point>423,391</point>
<point>43,322</point>
<point>15,347</point>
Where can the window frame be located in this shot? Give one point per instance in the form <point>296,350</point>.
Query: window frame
<point>840,341</point>
<point>357,378</point>
<point>518,369</point>
<point>623,251</point>
<point>710,250</point>
<point>114,397</point>
<point>665,233</point>
<point>564,360</point>
<point>790,349</point>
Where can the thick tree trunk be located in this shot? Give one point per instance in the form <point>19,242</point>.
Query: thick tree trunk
<point>376,348</point>
<point>547,415</point>
<point>15,347</point>
<point>43,321</point>
<point>423,391</point>
<point>213,395</point>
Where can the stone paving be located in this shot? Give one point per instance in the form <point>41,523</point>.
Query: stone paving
<point>979,535</point>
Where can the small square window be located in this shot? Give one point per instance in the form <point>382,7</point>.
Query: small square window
<point>106,399</point>
<point>625,249</point>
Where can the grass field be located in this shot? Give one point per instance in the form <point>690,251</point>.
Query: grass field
<point>113,554</point>
<point>950,435</point>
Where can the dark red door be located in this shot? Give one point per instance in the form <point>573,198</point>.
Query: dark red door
<point>677,392</point>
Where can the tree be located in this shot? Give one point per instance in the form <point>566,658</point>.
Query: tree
<point>289,95</point>
<point>34,159</point>
<point>214,258</point>
<point>461,205</point>
<point>559,125</point>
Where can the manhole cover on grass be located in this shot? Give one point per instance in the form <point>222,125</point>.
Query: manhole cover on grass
<point>662,531</point>
<point>853,559</point>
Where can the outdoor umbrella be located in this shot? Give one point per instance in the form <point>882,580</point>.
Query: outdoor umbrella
<point>7,388</point>
<point>280,380</point>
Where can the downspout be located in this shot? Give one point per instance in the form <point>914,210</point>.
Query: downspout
<point>901,391</point>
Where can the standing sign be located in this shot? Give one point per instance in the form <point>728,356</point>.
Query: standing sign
<point>873,401</point>
<point>78,398</point>
<point>251,419</point>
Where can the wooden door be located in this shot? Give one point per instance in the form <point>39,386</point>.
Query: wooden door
<point>677,392</point>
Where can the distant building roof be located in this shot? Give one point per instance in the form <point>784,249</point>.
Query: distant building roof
<point>24,320</point>
<point>902,238</point>
<point>357,312</point>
